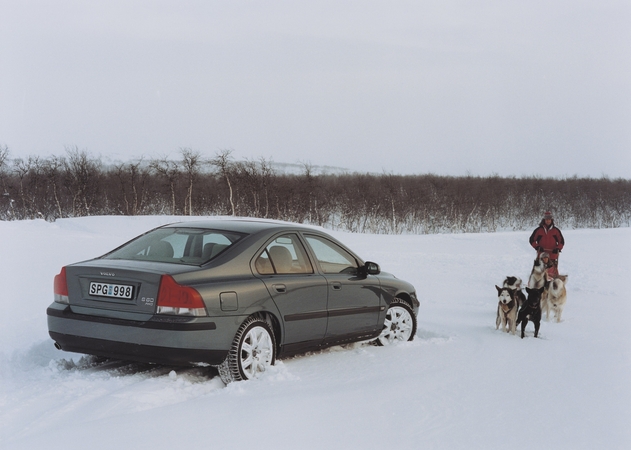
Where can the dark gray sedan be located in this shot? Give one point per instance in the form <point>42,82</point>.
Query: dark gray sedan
<point>229,293</point>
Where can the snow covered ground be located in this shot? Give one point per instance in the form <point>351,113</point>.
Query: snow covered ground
<point>459,384</point>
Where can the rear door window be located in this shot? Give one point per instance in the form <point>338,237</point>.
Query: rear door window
<point>284,255</point>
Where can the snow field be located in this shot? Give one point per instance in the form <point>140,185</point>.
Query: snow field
<point>460,384</point>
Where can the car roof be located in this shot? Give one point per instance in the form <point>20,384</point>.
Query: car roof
<point>248,226</point>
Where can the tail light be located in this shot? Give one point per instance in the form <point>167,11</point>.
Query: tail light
<point>61,287</point>
<point>173,298</point>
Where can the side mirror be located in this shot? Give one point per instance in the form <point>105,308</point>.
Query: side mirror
<point>372,268</point>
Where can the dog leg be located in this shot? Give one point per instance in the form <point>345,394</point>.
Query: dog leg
<point>524,322</point>
<point>547,311</point>
<point>497,320</point>
<point>545,305</point>
<point>558,314</point>
<point>537,324</point>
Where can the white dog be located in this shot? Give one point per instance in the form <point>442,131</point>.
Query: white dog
<point>555,297</point>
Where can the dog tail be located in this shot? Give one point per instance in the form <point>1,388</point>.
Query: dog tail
<point>563,278</point>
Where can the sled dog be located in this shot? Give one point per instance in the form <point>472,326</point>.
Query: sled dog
<point>531,310</point>
<point>512,282</point>
<point>538,274</point>
<point>515,283</point>
<point>555,298</point>
<point>507,308</point>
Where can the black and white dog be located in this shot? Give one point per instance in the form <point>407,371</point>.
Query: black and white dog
<point>515,284</point>
<point>507,308</point>
<point>531,310</point>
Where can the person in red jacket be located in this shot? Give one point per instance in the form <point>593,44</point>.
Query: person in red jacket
<point>549,239</point>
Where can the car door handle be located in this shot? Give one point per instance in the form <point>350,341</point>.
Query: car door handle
<point>280,288</point>
<point>336,286</point>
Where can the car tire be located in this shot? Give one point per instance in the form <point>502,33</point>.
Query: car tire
<point>399,325</point>
<point>253,350</point>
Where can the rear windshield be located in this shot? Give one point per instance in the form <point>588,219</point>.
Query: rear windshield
<point>194,246</point>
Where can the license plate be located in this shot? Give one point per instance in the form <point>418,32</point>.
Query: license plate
<point>111,290</point>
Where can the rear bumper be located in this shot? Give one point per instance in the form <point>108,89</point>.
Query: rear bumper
<point>162,339</point>
<point>137,352</point>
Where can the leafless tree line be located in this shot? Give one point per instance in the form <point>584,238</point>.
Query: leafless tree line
<point>79,184</point>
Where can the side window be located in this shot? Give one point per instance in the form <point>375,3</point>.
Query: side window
<point>332,257</point>
<point>284,255</point>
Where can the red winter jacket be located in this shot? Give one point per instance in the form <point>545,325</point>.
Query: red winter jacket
<point>550,239</point>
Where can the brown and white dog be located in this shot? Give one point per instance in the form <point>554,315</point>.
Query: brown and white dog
<point>538,274</point>
<point>507,308</point>
<point>555,297</point>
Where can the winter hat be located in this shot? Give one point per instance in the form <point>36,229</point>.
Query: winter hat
<point>547,215</point>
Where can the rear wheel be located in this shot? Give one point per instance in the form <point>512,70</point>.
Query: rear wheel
<point>253,351</point>
<point>400,324</point>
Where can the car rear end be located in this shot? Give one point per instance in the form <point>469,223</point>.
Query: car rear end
<point>134,307</point>
<point>128,314</point>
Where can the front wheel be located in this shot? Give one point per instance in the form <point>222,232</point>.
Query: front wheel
<point>253,351</point>
<point>400,324</point>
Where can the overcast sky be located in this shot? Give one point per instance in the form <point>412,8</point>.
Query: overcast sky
<point>446,87</point>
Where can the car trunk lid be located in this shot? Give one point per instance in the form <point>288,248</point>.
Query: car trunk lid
<point>116,288</point>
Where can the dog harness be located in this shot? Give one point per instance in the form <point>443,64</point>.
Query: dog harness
<point>508,306</point>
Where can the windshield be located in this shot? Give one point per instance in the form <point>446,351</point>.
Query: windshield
<point>194,246</point>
